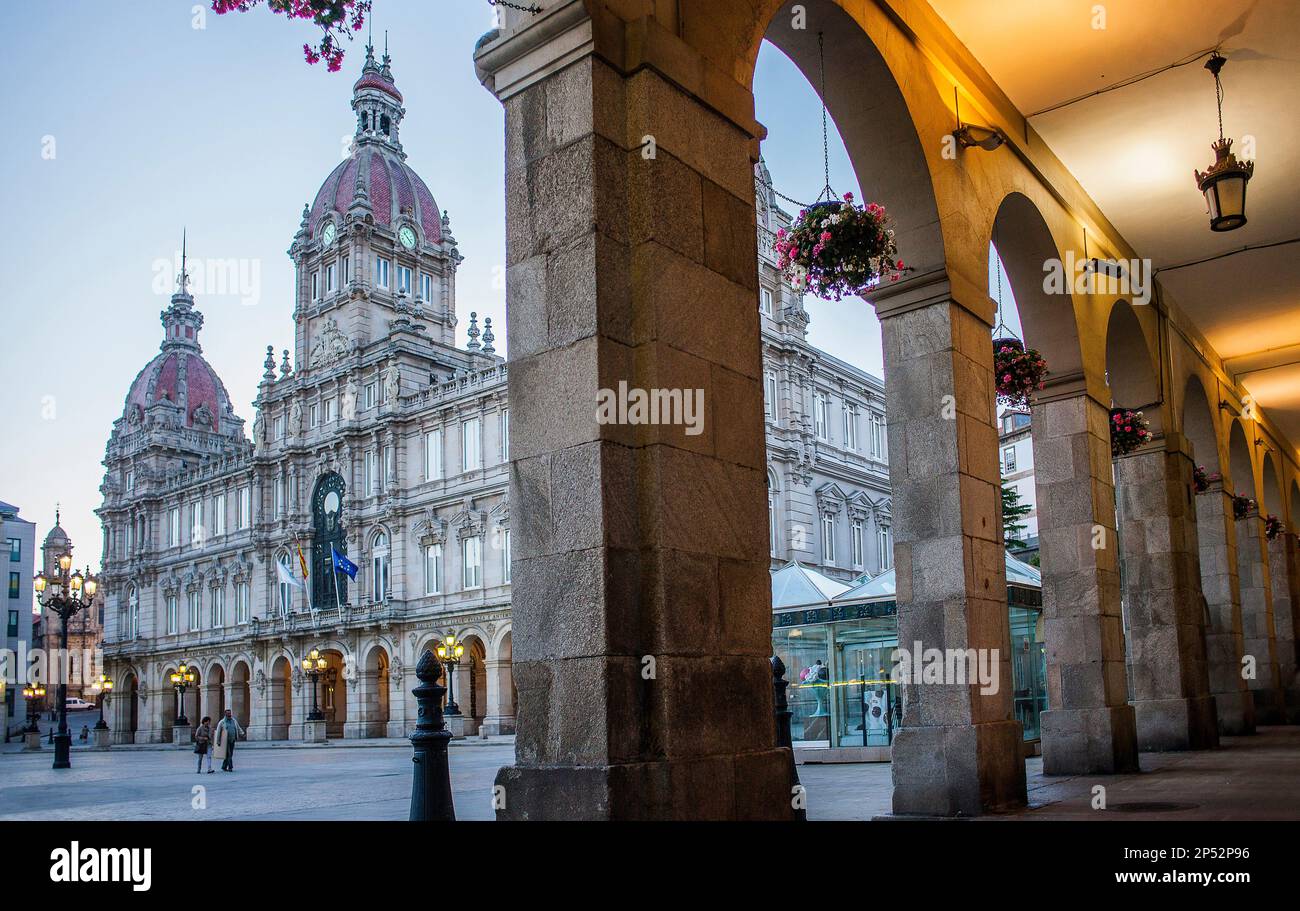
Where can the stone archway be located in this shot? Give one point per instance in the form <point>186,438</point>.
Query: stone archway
<point>240,703</point>
<point>1164,608</point>
<point>1089,726</point>
<point>1217,538</point>
<point>333,695</point>
<point>213,694</point>
<point>373,692</point>
<point>279,694</point>
<point>500,716</point>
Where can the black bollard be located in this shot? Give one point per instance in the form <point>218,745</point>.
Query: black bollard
<point>783,738</point>
<point>431,787</point>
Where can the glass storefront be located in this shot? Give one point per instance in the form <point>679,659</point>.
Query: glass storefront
<point>838,662</point>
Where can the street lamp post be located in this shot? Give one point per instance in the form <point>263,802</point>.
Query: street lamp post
<point>449,653</point>
<point>32,693</point>
<point>313,666</point>
<point>182,678</point>
<point>69,592</point>
<point>105,687</point>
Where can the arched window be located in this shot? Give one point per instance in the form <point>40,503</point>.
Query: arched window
<point>384,124</point>
<point>379,567</point>
<point>285,602</point>
<point>132,618</point>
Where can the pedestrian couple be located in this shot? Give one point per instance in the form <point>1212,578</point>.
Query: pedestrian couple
<point>221,741</point>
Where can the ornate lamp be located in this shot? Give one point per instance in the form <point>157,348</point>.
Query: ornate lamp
<point>182,679</point>
<point>449,651</point>
<point>313,666</point>
<point>1224,182</point>
<point>104,686</point>
<point>68,593</point>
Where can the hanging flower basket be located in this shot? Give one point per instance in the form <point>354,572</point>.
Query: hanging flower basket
<point>1272,526</point>
<point>1241,506</point>
<point>1017,371</point>
<point>1128,431</point>
<point>836,249</point>
<point>1201,479</point>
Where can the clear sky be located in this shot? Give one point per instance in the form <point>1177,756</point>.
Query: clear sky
<point>127,121</point>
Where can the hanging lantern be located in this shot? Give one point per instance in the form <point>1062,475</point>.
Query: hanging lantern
<point>1224,182</point>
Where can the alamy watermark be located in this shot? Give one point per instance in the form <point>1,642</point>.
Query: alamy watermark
<point>76,667</point>
<point>1121,278</point>
<point>629,405</point>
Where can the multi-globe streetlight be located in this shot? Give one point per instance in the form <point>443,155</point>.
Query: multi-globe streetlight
<point>70,592</point>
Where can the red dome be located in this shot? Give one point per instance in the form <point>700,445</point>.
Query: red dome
<point>376,81</point>
<point>392,186</point>
<point>161,380</point>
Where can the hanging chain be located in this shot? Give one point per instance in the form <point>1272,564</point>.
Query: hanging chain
<point>1218,96</point>
<point>826,148</point>
<point>530,8</point>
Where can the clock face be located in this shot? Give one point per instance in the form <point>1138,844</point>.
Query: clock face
<point>407,237</point>
<point>329,234</point>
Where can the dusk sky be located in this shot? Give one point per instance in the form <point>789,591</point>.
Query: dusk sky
<point>127,122</point>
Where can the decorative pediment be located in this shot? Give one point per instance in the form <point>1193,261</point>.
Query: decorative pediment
<point>859,505</point>
<point>883,511</point>
<point>830,498</point>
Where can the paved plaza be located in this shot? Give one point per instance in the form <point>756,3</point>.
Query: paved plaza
<point>1250,778</point>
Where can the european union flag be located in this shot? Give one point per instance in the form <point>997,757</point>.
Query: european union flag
<point>343,564</point>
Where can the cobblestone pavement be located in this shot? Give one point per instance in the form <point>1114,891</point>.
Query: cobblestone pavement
<point>1249,778</point>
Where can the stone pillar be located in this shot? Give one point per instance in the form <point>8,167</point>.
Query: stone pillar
<point>959,751</point>
<point>1291,684</point>
<point>500,714</point>
<point>1089,727</point>
<point>1162,593</point>
<point>642,619</point>
<point>1280,569</point>
<point>1216,532</point>
<point>1260,638</point>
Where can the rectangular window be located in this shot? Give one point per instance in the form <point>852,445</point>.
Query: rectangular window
<point>433,455</point>
<point>505,434</point>
<point>15,550</point>
<point>765,300</point>
<point>505,556</point>
<point>279,497</point>
<point>174,527</point>
<point>219,515</point>
<point>822,415</point>
<point>193,609</point>
<point>426,287</point>
<point>245,507</point>
<point>433,569</point>
<point>388,468</point>
<point>855,543</point>
<point>130,480</point>
<point>329,279</point>
<point>241,602</point>
<point>470,456</point>
<point>850,426</point>
<point>828,539</point>
<point>886,548</point>
<point>15,583</point>
<point>217,608</point>
<point>173,618</point>
<point>879,448</point>
<point>12,632</point>
<point>197,529</point>
<point>371,470</point>
<point>471,552</point>
<point>313,416</point>
<point>404,279</point>
<point>130,527</point>
<point>372,395</point>
<point>1008,460</point>
<point>329,411</point>
<point>381,272</point>
<point>315,286</point>
<point>277,428</point>
<point>769,394</point>
<point>345,269</point>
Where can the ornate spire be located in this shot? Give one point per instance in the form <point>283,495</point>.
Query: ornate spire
<point>285,367</point>
<point>268,375</point>
<point>488,337</point>
<point>473,332</point>
<point>377,102</point>
<point>181,322</point>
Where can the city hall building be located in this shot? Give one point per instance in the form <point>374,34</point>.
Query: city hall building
<point>379,439</point>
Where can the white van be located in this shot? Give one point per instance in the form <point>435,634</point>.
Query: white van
<point>76,705</point>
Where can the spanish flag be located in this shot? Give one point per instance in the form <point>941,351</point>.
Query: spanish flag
<point>302,561</point>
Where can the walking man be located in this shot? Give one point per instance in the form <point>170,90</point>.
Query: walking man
<point>228,731</point>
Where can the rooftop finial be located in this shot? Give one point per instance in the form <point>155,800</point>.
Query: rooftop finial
<point>488,337</point>
<point>183,281</point>
<point>473,332</point>
<point>56,514</point>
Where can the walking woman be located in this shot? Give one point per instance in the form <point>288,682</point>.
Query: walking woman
<point>203,743</point>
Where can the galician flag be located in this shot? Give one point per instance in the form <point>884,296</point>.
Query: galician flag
<point>287,576</point>
<point>302,561</point>
<point>343,564</point>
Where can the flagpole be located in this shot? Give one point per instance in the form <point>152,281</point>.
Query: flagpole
<point>334,566</point>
